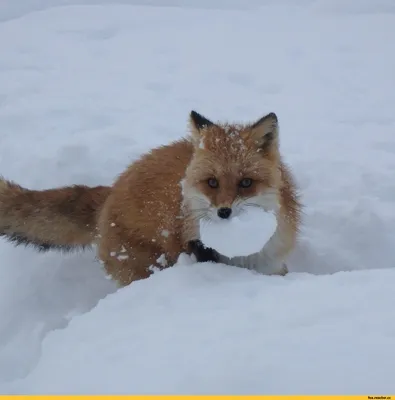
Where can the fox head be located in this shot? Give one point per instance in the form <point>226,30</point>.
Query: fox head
<point>233,167</point>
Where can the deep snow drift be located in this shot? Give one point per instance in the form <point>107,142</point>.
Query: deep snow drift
<point>85,89</point>
<point>213,329</point>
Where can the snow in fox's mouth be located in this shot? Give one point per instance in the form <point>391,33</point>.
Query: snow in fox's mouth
<point>240,235</point>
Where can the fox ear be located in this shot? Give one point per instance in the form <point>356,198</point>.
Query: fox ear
<point>265,132</point>
<point>198,123</point>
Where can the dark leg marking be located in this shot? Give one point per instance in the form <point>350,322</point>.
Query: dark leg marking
<point>201,252</point>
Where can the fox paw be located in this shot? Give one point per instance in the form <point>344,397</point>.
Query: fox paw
<point>201,252</point>
<point>280,269</point>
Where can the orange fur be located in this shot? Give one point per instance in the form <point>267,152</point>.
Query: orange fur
<point>148,217</point>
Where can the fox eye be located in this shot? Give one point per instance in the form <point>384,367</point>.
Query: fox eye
<point>245,183</point>
<point>213,183</point>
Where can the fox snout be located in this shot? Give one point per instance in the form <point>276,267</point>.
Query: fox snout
<point>224,212</point>
<point>228,210</point>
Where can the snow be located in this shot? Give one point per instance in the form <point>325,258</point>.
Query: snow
<point>255,225</point>
<point>88,86</point>
<point>162,260</point>
<point>246,338</point>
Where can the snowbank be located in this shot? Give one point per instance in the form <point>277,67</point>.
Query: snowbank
<point>215,329</point>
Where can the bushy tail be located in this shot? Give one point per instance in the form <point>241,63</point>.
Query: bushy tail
<point>63,218</point>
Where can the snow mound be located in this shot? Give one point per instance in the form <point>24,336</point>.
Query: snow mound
<point>240,235</point>
<point>213,329</point>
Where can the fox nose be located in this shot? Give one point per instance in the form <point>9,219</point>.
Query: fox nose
<point>224,212</point>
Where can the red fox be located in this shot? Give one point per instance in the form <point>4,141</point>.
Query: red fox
<point>151,214</point>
